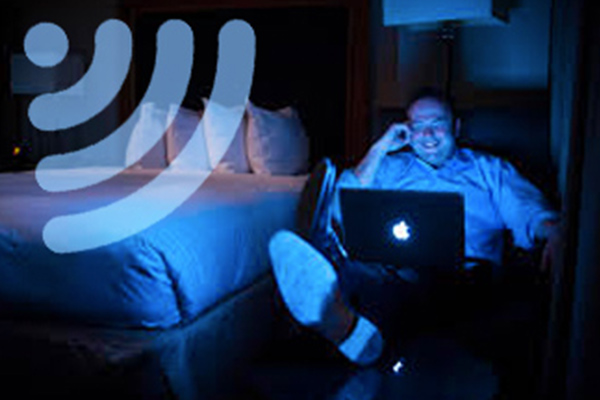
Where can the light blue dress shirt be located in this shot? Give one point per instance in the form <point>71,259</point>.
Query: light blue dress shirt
<point>496,196</point>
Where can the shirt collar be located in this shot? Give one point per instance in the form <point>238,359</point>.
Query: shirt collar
<point>458,161</point>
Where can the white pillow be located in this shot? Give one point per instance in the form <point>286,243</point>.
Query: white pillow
<point>153,121</point>
<point>226,154</point>
<point>277,143</point>
<point>180,131</point>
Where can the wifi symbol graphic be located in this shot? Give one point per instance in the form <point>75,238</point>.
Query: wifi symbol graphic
<point>46,45</point>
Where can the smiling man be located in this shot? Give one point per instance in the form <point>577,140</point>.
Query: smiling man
<point>497,198</point>
<point>430,130</point>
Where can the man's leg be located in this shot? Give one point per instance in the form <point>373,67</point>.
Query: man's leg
<point>310,289</point>
<point>390,300</point>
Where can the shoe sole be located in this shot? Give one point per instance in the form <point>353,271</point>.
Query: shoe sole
<point>307,282</point>
<point>305,278</point>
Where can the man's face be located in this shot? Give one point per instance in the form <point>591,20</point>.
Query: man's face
<point>431,136</point>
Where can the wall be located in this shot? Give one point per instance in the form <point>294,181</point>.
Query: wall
<point>6,111</point>
<point>509,57</point>
<point>80,21</point>
<point>495,58</point>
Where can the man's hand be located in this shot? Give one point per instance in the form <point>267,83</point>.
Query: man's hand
<point>395,138</point>
<point>552,233</point>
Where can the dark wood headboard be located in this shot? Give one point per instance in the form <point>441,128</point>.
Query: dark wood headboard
<point>329,85</point>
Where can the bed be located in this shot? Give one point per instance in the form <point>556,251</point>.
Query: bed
<point>178,310</point>
<point>167,312</point>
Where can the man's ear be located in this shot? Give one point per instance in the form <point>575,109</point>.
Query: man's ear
<point>457,127</point>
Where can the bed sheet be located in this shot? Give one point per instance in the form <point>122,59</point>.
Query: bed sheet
<point>210,247</point>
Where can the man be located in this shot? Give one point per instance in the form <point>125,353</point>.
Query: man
<point>496,198</point>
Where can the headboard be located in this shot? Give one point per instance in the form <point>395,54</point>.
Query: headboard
<point>312,54</point>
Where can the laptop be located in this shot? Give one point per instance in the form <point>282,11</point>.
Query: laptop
<point>404,228</point>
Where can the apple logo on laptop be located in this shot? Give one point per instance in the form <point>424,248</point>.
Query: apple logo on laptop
<point>401,231</point>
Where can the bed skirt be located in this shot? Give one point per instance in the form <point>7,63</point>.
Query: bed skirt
<point>201,360</point>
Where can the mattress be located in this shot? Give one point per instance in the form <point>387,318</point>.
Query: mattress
<point>210,247</point>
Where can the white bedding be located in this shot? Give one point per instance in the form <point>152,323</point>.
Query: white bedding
<point>213,245</point>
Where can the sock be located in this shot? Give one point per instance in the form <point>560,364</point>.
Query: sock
<point>364,345</point>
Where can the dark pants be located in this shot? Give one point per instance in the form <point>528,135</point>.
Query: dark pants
<point>399,307</point>
<point>403,309</point>
<point>474,307</point>
<point>469,308</point>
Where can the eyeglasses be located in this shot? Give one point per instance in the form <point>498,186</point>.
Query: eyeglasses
<point>436,125</point>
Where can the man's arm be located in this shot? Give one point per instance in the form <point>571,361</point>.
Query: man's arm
<point>523,207</point>
<point>396,137</point>
<point>528,215</point>
<point>551,233</point>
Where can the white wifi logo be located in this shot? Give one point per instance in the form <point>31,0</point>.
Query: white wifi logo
<point>46,45</point>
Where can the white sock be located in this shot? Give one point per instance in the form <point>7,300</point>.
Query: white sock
<point>364,345</point>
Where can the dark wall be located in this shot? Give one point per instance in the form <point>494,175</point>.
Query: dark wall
<point>6,114</point>
<point>511,57</point>
<point>80,21</point>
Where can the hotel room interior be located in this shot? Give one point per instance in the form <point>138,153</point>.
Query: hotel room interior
<point>188,309</point>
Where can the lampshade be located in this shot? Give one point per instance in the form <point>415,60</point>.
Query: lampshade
<point>469,12</point>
